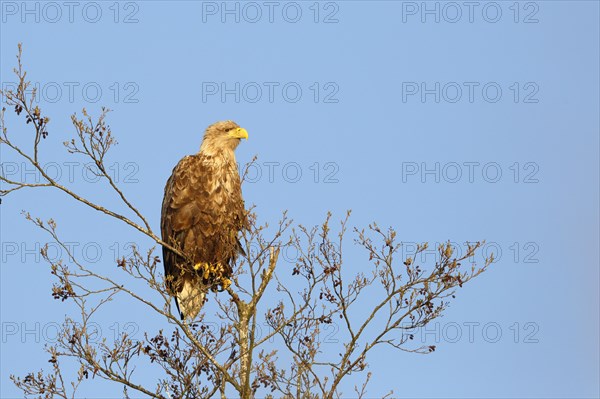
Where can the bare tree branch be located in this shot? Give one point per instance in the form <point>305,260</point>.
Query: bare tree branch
<point>236,358</point>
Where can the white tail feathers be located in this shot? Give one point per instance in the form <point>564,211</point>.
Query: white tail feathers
<point>191,299</point>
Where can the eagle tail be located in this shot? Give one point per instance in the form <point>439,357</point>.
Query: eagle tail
<point>190,300</point>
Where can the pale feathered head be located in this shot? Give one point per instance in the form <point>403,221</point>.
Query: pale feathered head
<point>224,135</point>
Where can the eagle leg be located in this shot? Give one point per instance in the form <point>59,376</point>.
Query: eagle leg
<point>215,273</point>
<point>203,267</point>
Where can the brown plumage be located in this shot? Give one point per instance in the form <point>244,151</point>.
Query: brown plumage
<point>202,214</point>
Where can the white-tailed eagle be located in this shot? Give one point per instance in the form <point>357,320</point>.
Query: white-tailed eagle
<point>202,214</point>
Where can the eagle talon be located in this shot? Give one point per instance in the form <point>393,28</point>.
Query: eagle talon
<point>225,284</point>
<point>201,265</point>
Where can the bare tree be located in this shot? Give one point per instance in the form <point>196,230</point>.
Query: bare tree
<point>193,360</point>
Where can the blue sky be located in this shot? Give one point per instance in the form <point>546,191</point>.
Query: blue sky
<point>447,121</point>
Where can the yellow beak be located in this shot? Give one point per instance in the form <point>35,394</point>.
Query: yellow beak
<point>239,133</point>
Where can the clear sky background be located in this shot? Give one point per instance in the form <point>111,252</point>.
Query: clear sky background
<point>447,121</point>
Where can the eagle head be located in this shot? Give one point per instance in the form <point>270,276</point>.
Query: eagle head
<point>224,135</point>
